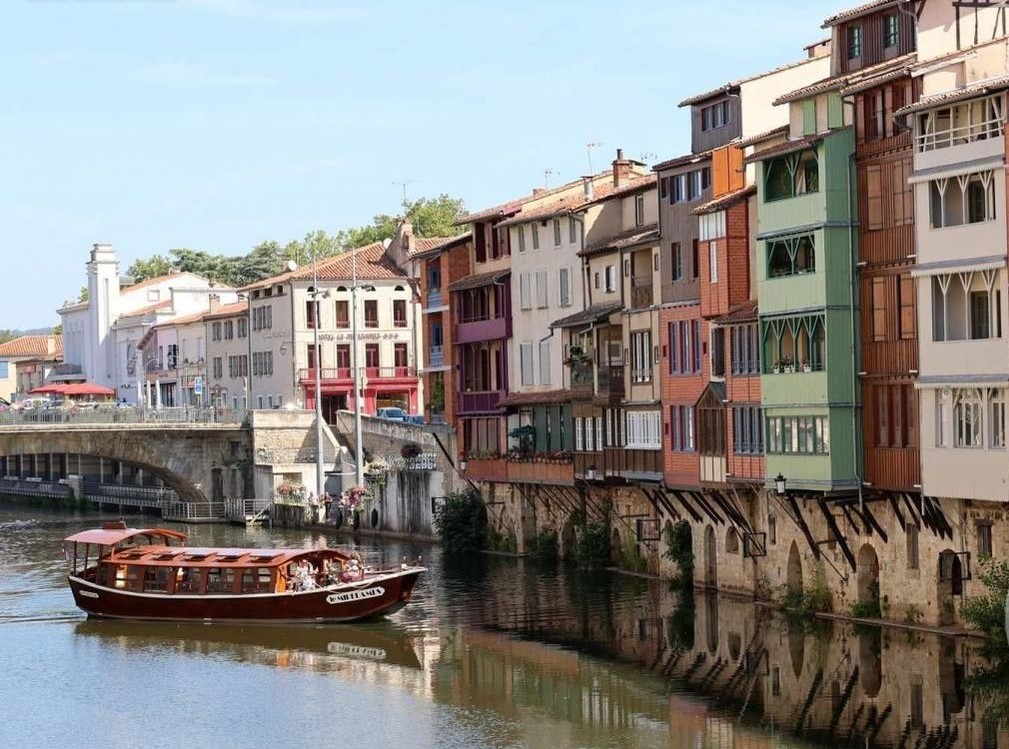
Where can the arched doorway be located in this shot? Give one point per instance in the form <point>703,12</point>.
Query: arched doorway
<point>950,585</point>
<point>710,558</point>
<point>868,580</point>
<point>793,574</point>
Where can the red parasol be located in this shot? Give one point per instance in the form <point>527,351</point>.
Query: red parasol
<point>52,389</point>
<point>88,388</point>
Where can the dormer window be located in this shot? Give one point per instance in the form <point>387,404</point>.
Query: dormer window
<point>891,31</point>
<point>715,116</point>
<point>854,42</point>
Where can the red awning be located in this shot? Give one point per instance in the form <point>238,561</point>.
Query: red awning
<point>53,389</point>
<point>88,388</point>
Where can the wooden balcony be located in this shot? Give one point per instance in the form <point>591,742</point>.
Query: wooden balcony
<point>606,380</point>
<point>641,292</point>
<point>619,463</point>
<point>480,402</point>
<point>470,331</point>
<point>478,469</point>
<point>541,472</point>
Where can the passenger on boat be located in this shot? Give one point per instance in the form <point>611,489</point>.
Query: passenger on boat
<point>354,570</point>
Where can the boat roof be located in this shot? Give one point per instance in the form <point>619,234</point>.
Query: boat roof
<point>109,536</point>
<point>186,556</point>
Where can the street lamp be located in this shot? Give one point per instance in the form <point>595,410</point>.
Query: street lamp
<point>779,484</point>
<point>463,464</point>
<point>314,293</point>
<point>247,298</point>
<point>355,363</point>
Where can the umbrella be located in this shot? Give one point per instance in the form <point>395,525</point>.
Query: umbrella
<point>88,388</point>
<point>53,389</point>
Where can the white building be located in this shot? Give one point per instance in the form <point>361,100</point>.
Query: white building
<point>226,331</point>
<point>101,335</point>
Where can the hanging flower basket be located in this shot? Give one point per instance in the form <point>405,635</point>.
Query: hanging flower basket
<point>375,471</point>
<point>355,498</point>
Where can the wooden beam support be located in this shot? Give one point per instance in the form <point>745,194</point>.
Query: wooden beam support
<point>896,511</point>
<point>847,510</point>
<point>801,521</point>
<point>873,523</point>
<point>832,524</point>
<point>688,507</point>
<point>708,509</point>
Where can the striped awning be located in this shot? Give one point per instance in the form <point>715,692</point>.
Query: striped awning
<point>973,264</point>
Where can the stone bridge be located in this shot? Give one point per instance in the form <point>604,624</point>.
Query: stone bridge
<point>198,461</point>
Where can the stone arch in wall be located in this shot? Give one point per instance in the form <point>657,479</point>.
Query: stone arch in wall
<point>793,572</point>
<point>710,558</point>
<point>567,540</point>
<point>949,585</point>
<point>731,541</point>
<point>867,575</point>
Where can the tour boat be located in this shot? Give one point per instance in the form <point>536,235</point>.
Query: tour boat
<point>129,573</point>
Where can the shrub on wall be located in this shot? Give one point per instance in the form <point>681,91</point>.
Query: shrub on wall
<point>545,545</point>
<point>680,549</point>
<point>461,523</point>
<point>592,547</point>
<point>987,612</point>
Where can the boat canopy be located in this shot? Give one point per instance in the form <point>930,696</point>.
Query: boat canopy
<point>184,556</point>
<point>113,536</point>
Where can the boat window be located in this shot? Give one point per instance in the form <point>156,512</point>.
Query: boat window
<point>167,556</point>
<point>256,580</point>
<point>187,580</point>
<point>264,557</point>
<point>220,580</point>
<point>156,579</point>
<point>127,577</point>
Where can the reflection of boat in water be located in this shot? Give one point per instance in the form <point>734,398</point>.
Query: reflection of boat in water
<point>380,642</point>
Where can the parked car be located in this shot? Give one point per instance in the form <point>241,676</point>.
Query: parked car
<point>415,419</point>
<point>393,413</point>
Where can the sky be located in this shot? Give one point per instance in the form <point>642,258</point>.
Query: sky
<point>218,124</point>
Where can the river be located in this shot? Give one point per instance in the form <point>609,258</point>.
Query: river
<point>492,652</point>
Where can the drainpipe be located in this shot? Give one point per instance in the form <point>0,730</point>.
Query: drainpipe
<point>856,432</point>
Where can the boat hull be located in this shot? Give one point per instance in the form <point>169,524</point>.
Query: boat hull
<point>369,599</point>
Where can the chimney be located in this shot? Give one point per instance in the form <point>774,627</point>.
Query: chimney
<point>215,302</point>
<point>538,190</point>
<point>621,169</point>
<point>587,187</point>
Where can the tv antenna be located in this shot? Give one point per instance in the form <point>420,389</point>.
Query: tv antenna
<point>589,147</point>
<point>547,174</point>
<point>403,183</point>
<point>646,157</point>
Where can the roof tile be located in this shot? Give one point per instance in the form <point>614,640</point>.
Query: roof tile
<point>33,346</point>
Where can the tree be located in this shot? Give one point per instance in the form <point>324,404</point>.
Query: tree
<point>431,217</point>
<point>58,330</point>
<point>83,295</point>
<point>144,268</point>
<point>7,335</point>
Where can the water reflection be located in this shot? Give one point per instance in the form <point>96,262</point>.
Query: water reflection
<point>506,652</point>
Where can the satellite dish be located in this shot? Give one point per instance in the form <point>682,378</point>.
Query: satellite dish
<point>291,265</point>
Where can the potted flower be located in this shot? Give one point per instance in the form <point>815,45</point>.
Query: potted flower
<point>788,365</point>
<point>805,366</point>
<point>776,367</point>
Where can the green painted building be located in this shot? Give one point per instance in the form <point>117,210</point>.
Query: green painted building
<point>807,250</point>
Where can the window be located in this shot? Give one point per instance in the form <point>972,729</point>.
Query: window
<point>219,368</point>
<point>313,356</point>
<point>681,429</point>
<point>541,289</point>
<point>262,318</point>
<point>557,232</point>
<point>696,184</point>
<point>400,358</point>
<point>713,262</point>
<point>371,313</point>
<point>984,540</point>
<point>718,352</point>
<point>745,350</point>
<point>854,42</point>
<point>544,362</point>
<point>967,419</point>
<point>908,322</point>
<point>677,262</point>
<point>747,430</point>
<point>891,32</point>
<point>243,327</point>
<point>611,278</point>
<point>595,282</point>
<point>526,363</point>
<point>685,347</point>
<point>679,191</point>
<point>572,230</point>
<point>793,344</point>
<point>715,116</point>
<point>879,309</point>
<point>564,282</point>
<point>216,331</point>
<point>520,232</point>
<point>801,435</point>
<point>399,313</point>
<point>262,364</point>
<point>644,430</point>
<point>535,231</point>
<point>372,358</point>
<point>965,199</point>
<point>791,175</point>
<point>343,358</point>
<point>791,257</point>
<point>967,306</point>
<point>229,330</point>
<point>997,414</point>
<point>711,226</point>
<point>695,260</point>
<point>912,546</point>
<point>342,313</point>
<point>977,119</point>
<point>310,309</point>
<point>641,356</point>
<point>590,443</point>
<point>579,434</point>
<point>639,211</point>
<point>525,301</point>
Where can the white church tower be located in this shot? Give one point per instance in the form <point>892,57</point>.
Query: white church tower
<point>103,309</point>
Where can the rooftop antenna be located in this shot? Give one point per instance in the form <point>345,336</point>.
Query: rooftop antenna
<point>646,157</point>
<point>403,183</point>
<point>547,174</point>
<point>589,147</point>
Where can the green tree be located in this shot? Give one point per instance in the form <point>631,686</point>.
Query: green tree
<point>58,330</point>
<point>144,268</point>
<point>7,335</point>
<point>83,295</point>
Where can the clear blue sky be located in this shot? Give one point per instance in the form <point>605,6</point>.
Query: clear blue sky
<point>216,124</point>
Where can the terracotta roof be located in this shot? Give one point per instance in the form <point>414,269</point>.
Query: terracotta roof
<point>636,185</point>
<point>629,238</point>
<point>727,87</point>
<point>687,158</point>
<point>760,137</point>
<point>593,313</point>
<point>955,95</point>
<point>780,149</point>
<point>479,279</point>
<point>724,201</point>
<point>228,310</point>
<point>877,80</point>
<point>441,245</point>
<point>745,312</point>
<point>848,79</point>
<point>858,10</point>
<point>372,264</point>
<point>33,346</point>
<point>423,244</point>
<point>531,399</point>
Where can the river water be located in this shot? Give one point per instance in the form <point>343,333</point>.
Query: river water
<point>491,652</point>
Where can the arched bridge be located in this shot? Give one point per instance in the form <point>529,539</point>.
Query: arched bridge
<point>198,461</point>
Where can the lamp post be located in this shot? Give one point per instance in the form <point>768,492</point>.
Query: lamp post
<point>320,476</point>
<point>358,452</point>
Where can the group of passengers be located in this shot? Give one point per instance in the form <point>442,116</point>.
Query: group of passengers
<point>304,575</point>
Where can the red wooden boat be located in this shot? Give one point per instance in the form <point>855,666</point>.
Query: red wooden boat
<point>129,573</point>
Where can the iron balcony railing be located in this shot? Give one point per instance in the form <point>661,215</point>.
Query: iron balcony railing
<point>347,373</point>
